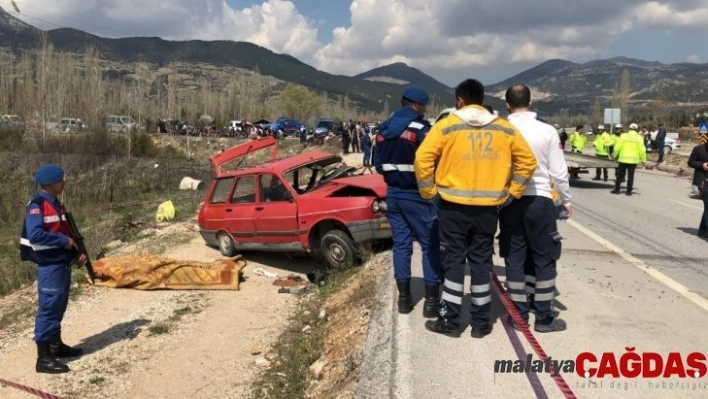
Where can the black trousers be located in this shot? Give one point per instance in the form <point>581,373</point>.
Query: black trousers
<point>628,170</point>
<point>530,245</point>
<point>467,235</point>
<point>603,170</point>
<point>660,150</point>
<point>703,227</point>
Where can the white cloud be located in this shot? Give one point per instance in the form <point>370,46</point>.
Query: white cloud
<point>274,24</point>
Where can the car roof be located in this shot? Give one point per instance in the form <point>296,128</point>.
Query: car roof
<point>280,166</point>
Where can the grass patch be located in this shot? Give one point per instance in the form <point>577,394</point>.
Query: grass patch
<point>295,351</point>
<point>159,329</point>
<point>97,380</point>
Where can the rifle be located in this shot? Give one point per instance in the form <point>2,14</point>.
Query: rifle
<point>79,239</point>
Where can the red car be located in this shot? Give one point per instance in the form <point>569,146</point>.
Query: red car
<point>310,202</point>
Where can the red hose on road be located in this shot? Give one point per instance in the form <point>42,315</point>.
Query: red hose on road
<point>511,309</point>
<point>29,390</point>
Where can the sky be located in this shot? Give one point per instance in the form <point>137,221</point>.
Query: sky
<point>451,40</point>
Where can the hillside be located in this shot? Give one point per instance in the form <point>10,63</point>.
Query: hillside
<point>157,52</point>
<point>559,84</point>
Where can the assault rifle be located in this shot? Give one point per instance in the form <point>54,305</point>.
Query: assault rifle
<point>79,239</point>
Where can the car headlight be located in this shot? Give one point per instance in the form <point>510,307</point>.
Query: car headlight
<point>375,206</point>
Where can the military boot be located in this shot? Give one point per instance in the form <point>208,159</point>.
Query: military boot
<point>60,349</point>
<point>46,363</point>
<point>432,304</point>
<point>405,299</point>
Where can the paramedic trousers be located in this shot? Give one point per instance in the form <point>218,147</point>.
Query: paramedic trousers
<point>408,217</point>
<point>530,246</point>
<point>53,282</point>
<point>467,235</point>
<point>367,155</point>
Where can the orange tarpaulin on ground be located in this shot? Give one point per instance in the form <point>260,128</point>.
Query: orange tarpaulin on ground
<point>148,272</point>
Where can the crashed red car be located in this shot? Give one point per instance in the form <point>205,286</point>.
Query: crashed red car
<point>310,202</point>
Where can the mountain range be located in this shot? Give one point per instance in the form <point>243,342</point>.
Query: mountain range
<point>556,84</point>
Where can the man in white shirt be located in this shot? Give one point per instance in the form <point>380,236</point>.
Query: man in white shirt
<point>529,236</point>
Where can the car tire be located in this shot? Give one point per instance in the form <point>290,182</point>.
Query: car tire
<point>338,250</point>
<point>667,149</point>
<point>226,244</point>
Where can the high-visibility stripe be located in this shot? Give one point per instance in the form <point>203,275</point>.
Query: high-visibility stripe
<point>388,167</point>
<point>521,179</point>
<point>426,183</point>
<point>474,193</point>
<point>530,279</point>
<point>480,288</point>
<point>455,128</point>
<point>530,289</point>
<point>545,284</point>
<point>482,301</point>
<point>514,285</point>
<point>465,127</point>
<point>543,297</point>
<point>454,286</point>
<point>27,243</point>
<point>518,298</point>
<point>416,125</point>
<point>446,296</point>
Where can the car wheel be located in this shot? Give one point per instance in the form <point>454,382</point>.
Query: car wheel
<point>667,149</point>
<point>226,244</point>
<point>338,249</point>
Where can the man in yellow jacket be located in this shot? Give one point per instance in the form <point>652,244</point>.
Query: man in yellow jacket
<point>578,140</point>
<point>602,143</point>
<point>470,164</point>
<point>629,151</point>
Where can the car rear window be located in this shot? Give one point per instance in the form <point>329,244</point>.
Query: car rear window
<point>221,191</point>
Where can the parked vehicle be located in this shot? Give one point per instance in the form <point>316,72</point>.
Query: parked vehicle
<point>670,144</point>
<point>285,125</point>
<point>324,126</point>
<point>309,202</point>
<point>71,124</point>
<point>123,124</point>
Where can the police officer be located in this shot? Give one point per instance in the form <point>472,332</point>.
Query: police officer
<point>397,140</point>
<point>529,237</point>
<point>629,151</point>
<point>46,240</point>
<point>601,144</point>
<point>471,163</point>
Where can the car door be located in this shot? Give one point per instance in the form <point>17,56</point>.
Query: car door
<point>276,214</point>
<point>240,210</point>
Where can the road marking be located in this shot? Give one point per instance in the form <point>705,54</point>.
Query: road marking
<point>666,280</point>
<point>688,205</point>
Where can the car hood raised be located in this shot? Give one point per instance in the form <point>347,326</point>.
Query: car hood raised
<point>375,182</point>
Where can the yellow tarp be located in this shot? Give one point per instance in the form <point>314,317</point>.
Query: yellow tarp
<point>148,272</point>
<point>165,212</point>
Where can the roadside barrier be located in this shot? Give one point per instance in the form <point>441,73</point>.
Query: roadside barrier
<point>27,389</point>
<point>511,309</point>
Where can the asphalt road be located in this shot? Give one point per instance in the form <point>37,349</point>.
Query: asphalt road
<point>632,274</point>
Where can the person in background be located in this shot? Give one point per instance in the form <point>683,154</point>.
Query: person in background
<point>366,146</point>
<point>660,141</point>
<point>46,240</point>
<point>563,138</point>
<point>601,144</point>
<point>629,151</point>
<point>578,140</point>
<point>698,160</point>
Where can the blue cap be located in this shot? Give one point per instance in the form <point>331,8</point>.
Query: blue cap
<point>416,94</point>
<point>49,174</point>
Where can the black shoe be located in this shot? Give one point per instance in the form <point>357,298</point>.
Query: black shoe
<point>554,325</point>
<point>440,326</point>
<point>596,178</point>
<point>432,303</point>
<point>605,178</point>
<point>615,192</point>
<point>703,234</point>
<point>405,299</point>
<point>59,349</point>
<point>46,363</point>
<point>481,332</point>
<point>628,193</point>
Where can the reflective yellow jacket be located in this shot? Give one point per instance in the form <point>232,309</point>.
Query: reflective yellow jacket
<point>474,158</point>
<point>578,140</point>
<point>601,143</point>
<point>630,148</point>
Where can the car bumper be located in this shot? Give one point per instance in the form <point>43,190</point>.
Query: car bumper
<point>370,230</point>
<point>209,237</point>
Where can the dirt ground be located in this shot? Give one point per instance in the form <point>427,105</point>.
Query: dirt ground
<point>160,344</point>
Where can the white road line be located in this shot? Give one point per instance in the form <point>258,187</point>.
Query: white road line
<point>688,205</point>
<point>666,280</point>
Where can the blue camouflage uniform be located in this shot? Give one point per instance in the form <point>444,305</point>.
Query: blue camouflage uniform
<point>409,214</point>
<point>45,235</point>
<point>366,146</point>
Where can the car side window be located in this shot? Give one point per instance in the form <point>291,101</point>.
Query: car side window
<point>221,191</point>
<point>272,189</point>
<point>245,191</point>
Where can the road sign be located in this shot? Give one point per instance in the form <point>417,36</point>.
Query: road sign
<point>612,115</point>
<point>703,128</point>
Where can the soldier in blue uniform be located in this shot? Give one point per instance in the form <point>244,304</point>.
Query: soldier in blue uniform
<point>397,140</point>
<point>46,240</point>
